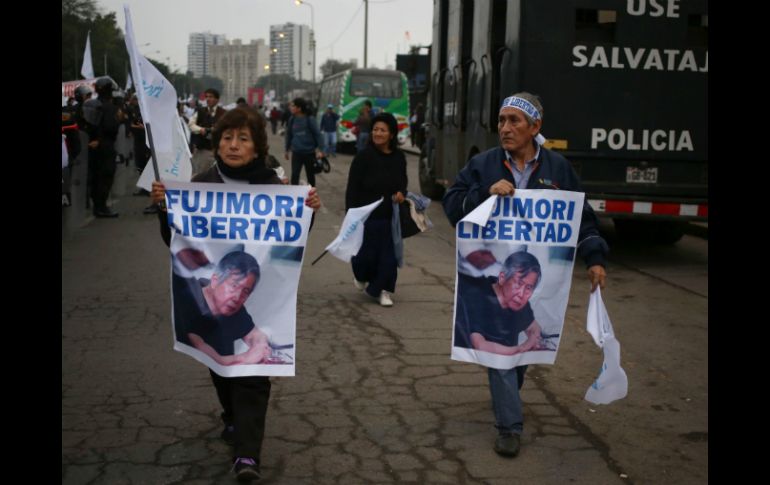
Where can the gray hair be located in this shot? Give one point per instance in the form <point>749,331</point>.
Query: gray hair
<point>237,262</point>
<point>535,100</point>
<point>521,262</point>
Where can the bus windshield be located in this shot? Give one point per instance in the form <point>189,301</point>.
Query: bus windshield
<point>376,86</point>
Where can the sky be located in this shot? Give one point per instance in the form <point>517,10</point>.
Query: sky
<point>339,25</point>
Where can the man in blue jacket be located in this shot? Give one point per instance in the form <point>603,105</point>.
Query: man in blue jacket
<point>303,141</point>
<point>521,161</point>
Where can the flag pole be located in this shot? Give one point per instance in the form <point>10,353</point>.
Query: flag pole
<point>319,257</point>
<point>152,150</point>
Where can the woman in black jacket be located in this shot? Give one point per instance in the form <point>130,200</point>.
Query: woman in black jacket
<point>377,171</point>
<point>240,149</point>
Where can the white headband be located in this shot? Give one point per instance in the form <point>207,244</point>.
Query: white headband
<point>524,106</point>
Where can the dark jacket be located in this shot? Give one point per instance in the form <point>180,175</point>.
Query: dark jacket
<point>553,172</point>
<point>206,120</point>
<point>374,174</point>
<point>302,135</point>
<point>102,124</point>
<point>329,122</point>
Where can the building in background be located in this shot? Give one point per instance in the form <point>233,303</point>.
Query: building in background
<point>291,51</point>
<point>198,56</point>
<point>239,66</point>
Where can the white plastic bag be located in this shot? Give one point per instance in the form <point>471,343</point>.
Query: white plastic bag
<point>612,383</point>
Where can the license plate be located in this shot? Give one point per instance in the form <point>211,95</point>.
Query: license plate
<point>636,175</point>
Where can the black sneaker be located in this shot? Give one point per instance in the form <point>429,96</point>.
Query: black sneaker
<point>228,435</point>
<point>246,469</point>
<point>507,444</point>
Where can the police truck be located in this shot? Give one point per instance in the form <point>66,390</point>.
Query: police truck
<point>624,87</point>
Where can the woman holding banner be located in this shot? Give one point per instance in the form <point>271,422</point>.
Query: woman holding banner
<point>378,171</point>
<point>240,143</point>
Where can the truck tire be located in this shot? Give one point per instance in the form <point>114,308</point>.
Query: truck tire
<point>428,185</point>
<point>658,232</point>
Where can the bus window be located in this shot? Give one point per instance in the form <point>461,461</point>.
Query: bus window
<point>375,86</point>
<point>499,17</point>
<point>467,60</point>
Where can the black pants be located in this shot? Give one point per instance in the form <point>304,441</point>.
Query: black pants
<point>141,152</point>
<point>244,401</point>
<point>101,174</point>
<point>376,260</point>
<point>298,160</point>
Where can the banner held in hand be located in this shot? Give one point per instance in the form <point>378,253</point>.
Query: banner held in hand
<point>612,383</point>
<point>348,241</point>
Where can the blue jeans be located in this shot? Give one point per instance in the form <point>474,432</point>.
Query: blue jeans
<point>361,141</point>
<point>504,385</point>
<point>330,138</point>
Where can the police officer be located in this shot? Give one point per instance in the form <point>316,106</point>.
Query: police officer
<point>102,120</point>
<point>82,94</point>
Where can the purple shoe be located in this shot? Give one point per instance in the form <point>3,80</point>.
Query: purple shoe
<point>246,469</point>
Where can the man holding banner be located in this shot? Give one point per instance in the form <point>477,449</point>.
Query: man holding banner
<point>521,161</point>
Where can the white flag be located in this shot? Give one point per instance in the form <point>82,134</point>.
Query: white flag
<point>87,71</point>
<point>612,383</point>
<point>157,102</point>
<point>128,82</point>
<point>351,236</point>
<point>173,165</point>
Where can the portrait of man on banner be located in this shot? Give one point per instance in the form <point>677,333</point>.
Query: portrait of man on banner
<point>221,297</point>
<point>209,313</point>
<point>502,307</point>
<point>514,268</point>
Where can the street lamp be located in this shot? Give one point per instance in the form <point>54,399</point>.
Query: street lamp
<point>312,27</point>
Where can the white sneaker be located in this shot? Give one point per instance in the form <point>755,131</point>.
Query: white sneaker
<point>385,299</point>
<point>361,285</point>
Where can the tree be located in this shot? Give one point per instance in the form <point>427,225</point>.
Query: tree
<point>333,66</point>
<point>76,15</point>
<point>107,44</point>
<point>84,9</point>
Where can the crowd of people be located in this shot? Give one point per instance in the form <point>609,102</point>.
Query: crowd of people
<point>230,146</point>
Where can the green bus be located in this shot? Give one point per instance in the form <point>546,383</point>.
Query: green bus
<point>347,90</point>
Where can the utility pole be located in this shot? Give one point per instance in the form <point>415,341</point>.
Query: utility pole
<point>312,36</point>
<point>366,29</point>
